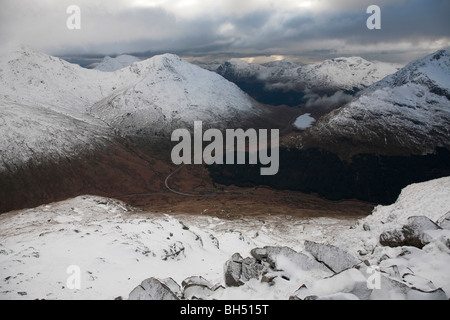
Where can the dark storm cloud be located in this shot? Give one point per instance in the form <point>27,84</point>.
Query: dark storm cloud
<point>317,29</point>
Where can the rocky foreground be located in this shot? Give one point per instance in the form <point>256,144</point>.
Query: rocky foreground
<point>401,251</point>
<point>407,260</point>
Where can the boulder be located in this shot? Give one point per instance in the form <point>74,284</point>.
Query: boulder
<point>276,256</point>
<point>413,233</point>
<point>239,270</point>
<point>333,257</point>
<point>394,238</point>
<point>251,269</point>
<point>233,271</point>
<point>349,284</point>
<point>197,292</point>
<point>196,280</point>
<point>173,286</point>
<point>391,289</point>
<point>152,289</point>
<point>418,282</point>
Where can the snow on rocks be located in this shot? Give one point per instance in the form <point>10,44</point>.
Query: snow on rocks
<point>350,284</point>
<point>117,247</point>
<point>114,246</point>
<point>173,93</point>
<point>152,289</point>
<point>405,113</point>
<point>444,221</point>
<point>340,73</point>
<point>51,108</point>
<point>197,287</point>
<point>334,258</point>
<point>412,234</point>
<point>233,271</point>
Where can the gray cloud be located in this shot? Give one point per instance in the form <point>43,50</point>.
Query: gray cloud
<point>310,28</point>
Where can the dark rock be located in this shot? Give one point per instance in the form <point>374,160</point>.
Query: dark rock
<point>333,257</point>
<point>393,239</point>
<point>183,226</point>
<point>233,271</point>
<point>175,252</point>
<point>239,270</point>
<point>412,234</point>
<point>152,289</point>
<point>269,279</point>
<point>414,231</point>
<point>215,241</point>
<point>251,269</point>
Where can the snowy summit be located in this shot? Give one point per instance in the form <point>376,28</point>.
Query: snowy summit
<point>109,64</point>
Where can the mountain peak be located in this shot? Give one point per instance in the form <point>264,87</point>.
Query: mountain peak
<point>166,60</point>
<point>405,113</point>
<point>440,54</point>
<point>432,71</point>
<point>109,64</point>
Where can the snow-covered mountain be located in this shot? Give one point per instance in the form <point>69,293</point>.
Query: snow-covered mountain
<point>115,247</point>
<point>173,93</point>
<point>49,105</point>
<point>34,135</point>
<point>33,78</point>
<point>238,69</point>
<point>353,73</point>
<point>407,112</point>
<point>345,73</point>
<point>65,128</point>
<point>109,64</point>
<point>43,103</point>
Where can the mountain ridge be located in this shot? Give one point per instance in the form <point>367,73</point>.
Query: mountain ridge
<point>405,113</point>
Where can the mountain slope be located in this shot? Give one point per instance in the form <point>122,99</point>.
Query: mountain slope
<point>150,95</point>
<point>345,73</point>
<point>33,78</point>
<point>116,247</point>
<point>408,112</point>
<point>60,139</point>
<point>173,93</point>
<point>109,64</point>
<point>335,74</point>
<point>32,134</point>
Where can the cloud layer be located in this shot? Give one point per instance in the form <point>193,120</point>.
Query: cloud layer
<point>315,29</point>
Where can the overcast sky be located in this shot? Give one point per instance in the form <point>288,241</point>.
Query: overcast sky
<point>312,29</point>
